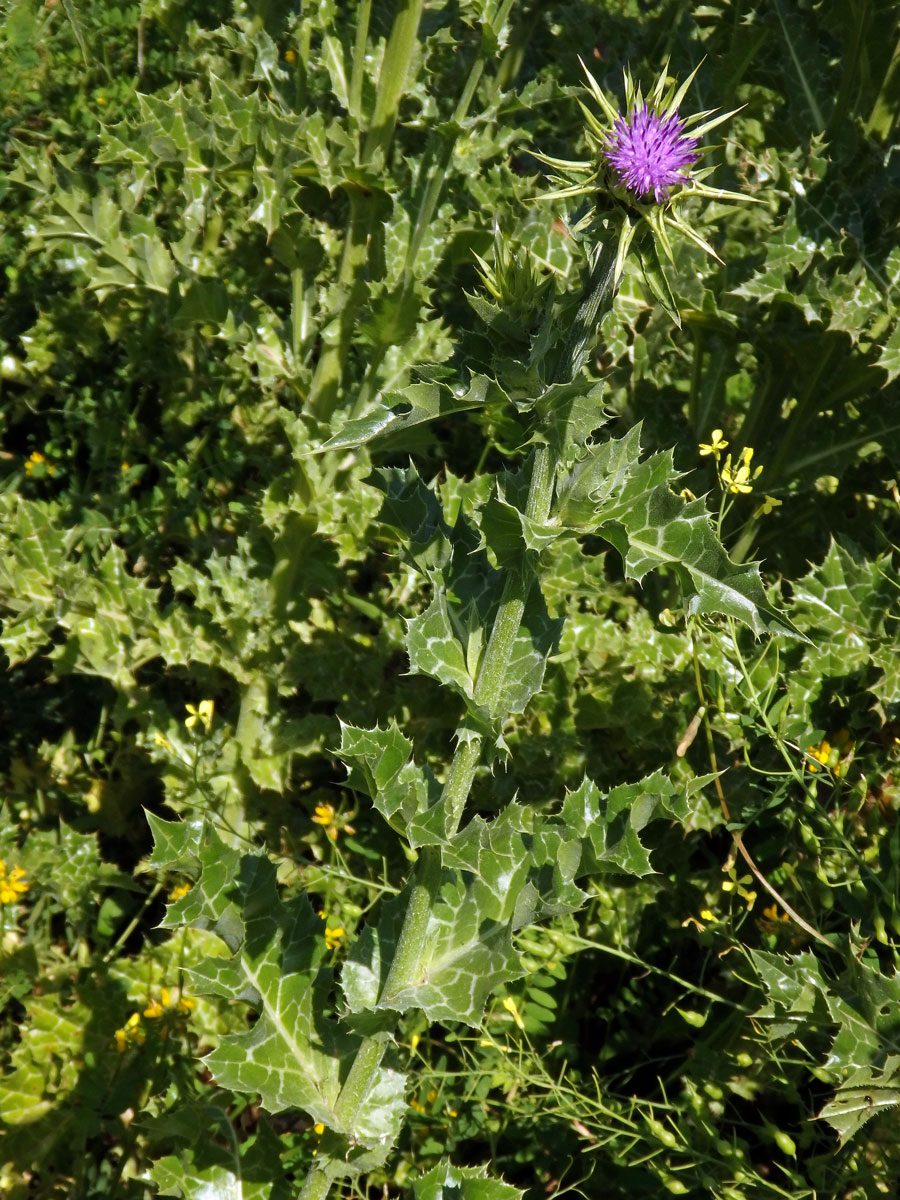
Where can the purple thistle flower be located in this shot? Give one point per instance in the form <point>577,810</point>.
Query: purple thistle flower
<point>648,152</point>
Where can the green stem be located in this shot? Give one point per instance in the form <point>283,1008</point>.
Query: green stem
<point>392,81</point>
<point>436,178</point>
<point>401,975</point>
<point>408,951</point>
<point>325,389</point>
<point>490,685</point>
<point>322,1175</point>
<point>359,58</point>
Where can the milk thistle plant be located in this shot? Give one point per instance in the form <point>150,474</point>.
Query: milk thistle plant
<point>390,536</point>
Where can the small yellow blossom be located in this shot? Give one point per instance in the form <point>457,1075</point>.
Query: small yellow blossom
<point>737,481</point>
<point>201,715</point>
<point>707,914</point>
<point>325,816</point>
<point>131,1032</point>
<point>37,460</point>
<point>334,936</point>
<point>318,1128</point>
<point>715,444</point>
<point>290,56</point>
<point>154,1010</point>
<point>178,893</point>
<point>820,753</point>
<point>772,914</point>
<point>12,884</point>
<point>101,99</point>
<point>159,740</point>
<point>768,505</point>
<point>737,477</point>
<point>510,1005</point>
<point>831,755</point>
<point>186,1004</point>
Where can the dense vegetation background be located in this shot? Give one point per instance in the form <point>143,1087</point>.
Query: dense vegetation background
<point>218,254</point>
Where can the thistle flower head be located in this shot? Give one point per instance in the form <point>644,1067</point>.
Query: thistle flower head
<point>650,153</point>
<point>645,163</point>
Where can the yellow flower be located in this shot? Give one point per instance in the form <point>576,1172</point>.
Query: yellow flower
<point>510,1005</point>
<point>318,1128</point>
<point>820,753</point>
<point>768,505</point>
<point>737,481</point>
<point>12,884</point>
<point>290,56</point>
<point>714,445</point>
<point>325,816</point>
<point>201,715</point>
<point>154,1010</point>
<point>131,1032</point>
<point>772,914</point>
<point>178,893</point>
<point>36,459</point>
<point>333,936</point>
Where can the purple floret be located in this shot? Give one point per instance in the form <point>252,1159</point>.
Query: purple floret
<point>649,153</point>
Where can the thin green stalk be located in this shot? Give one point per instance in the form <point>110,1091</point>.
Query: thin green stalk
<point>401,974</point>
<point>392,80</point>
<point>436,178</point>
<point>358,70</point>
<point>325,388</point>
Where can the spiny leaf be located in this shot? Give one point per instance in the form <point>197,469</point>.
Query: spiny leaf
<point>445,1182</point>
<point>407,796</point>
<point>295,1055</point>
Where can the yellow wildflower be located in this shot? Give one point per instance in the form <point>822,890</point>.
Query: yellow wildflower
<point>737,477</point>
<point>290,56</point>
<point>334,936</point>
<point>178,893</point>
<point>318,1128</point>
<point>510,1005</point>
<point>326,816</point>
<point>820,753</point>
<point>131,1032</point>
<point>201,715</point>
<point>154,1010</point>
<point>768,505</point>
<point>38,460</point>
<point>12,884</point>
<point>715,444</point>
<point>772,914</point>
<point>737,481</point>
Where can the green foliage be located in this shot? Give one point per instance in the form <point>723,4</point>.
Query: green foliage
<point>434,752</point>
